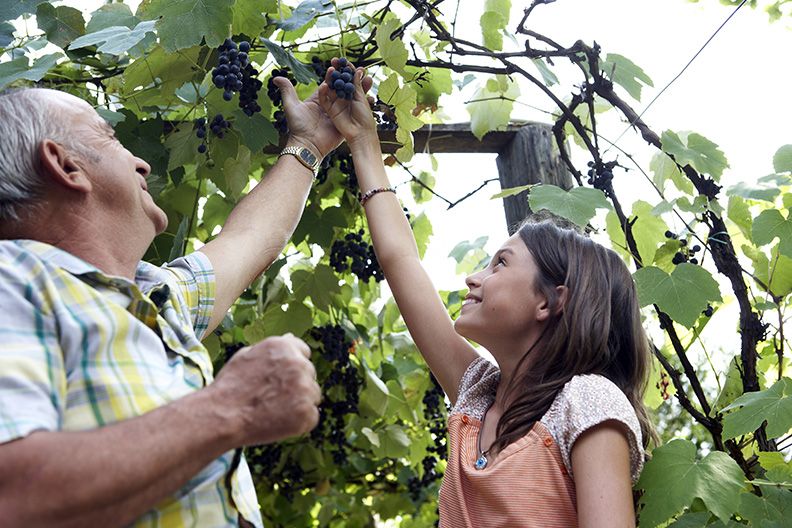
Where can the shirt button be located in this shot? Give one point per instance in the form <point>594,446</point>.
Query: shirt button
<point>548,442</point>
<point>465,419</point>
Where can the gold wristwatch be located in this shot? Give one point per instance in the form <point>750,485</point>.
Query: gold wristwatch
<point>305,156</point>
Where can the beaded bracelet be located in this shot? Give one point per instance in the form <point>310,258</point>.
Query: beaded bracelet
<point>365,197</point>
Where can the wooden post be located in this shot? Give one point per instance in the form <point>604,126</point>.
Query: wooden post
<point>529,158</point>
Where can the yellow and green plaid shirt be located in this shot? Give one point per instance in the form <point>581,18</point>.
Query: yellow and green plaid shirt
<point>81,349</point>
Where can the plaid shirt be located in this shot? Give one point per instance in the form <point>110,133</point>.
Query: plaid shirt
<point>81,349</point>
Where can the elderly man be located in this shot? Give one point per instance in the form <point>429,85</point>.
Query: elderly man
<point>109,414</point>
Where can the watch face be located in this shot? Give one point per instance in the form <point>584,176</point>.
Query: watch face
<point>307,157</point>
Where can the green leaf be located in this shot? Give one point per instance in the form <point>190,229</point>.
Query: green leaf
<point>648,231</point>
<point>773,505</point>
<point>182,145</point>
<point>420,192</point>
<point>177,249</point>
<point>547,74</point>
<point>111,15</point>
<point>303,14</point>
<point>163,71</point>
<point>284,58</point>
<point>115,39</point>
<point>19,69</point>
<point>393,51</point>
<point>249,16</point>
<point>754,191</point>
<point>237,171</point>
<point>774,273</point>
<point>62,24</point>
<point>491,106</point>
<point>375,394</point>
<point>626,74</point>
<point>320,284</point>
<point>750,410</point>
<point>434,82</point>
<point>664,169</point>
<point>782,159</point>
<point>422,230</point>
<point>771,224</point>
<point>296,319</point>
<point>739,213</point>
<point>403,99</point>
<point>256,131</point>
<point>695,150</point>
<point>732,387</point>
<point>186,23</point>
<point>13,9</point>
<point>6,34</point>
<point>683,295</point>
<point>493,21</point>
<point>674,478</point>
<point>578,205</point>
<point>512,191</point>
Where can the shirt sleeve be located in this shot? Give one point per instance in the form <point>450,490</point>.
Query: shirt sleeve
<point>32,375</point>
<point>587,401</point>
<point>477,388</point>
<point>194,279</point>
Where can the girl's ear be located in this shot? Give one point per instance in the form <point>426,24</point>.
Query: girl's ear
<point>60,167</point>
<point>546,309</point>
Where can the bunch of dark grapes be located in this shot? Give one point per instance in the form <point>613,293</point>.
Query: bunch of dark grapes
<point>364,262</point>
<point>341,387</point>
<point>686,253</point>
<point>248,94</point>
<point>433,413</point>
<point>320,67</point>
<point>273,92</point>
<point>600,176</point>
<point>341,80</point>
<point>218,126</point>
<point>228,74</point>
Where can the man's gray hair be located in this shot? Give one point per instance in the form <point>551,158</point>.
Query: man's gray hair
<point>27,120</point>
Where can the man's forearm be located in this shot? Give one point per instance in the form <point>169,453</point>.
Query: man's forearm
<point>112,475</point>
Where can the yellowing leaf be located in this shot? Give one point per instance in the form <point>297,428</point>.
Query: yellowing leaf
<point>393,51</point>
<point>492,105</point>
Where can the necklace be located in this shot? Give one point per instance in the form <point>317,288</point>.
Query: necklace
<point>481,461</point>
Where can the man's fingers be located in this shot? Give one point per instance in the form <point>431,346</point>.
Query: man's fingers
<point>288,93</point>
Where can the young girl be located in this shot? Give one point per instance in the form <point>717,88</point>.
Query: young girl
<point>553,435</point>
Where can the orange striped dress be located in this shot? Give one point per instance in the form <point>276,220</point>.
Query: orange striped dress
<point>530,483</point>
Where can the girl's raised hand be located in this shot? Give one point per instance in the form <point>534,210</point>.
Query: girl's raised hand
<point>353,117</point>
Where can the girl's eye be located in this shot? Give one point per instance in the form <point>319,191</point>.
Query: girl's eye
<point>501,261</point>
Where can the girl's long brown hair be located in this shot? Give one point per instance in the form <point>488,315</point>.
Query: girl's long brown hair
<point>596,331</point>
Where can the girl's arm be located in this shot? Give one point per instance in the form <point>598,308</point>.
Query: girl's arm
<point>601,466</point>
<point>446,352</point>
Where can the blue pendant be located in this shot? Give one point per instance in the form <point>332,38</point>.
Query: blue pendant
<point>481,462</point>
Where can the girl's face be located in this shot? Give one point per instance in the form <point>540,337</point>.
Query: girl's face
<point>503,307</point>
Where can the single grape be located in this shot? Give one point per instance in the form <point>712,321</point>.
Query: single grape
<point>202,148</point>
<point>244,46</point>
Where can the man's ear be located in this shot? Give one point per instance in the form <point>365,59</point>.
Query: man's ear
<point>60,166</point>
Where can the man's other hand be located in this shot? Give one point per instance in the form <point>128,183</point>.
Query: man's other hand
<point>271,389</point>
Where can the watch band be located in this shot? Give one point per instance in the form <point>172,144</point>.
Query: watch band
<point>305,156</point>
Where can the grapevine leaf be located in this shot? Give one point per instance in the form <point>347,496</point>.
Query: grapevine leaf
<point>284,58</point>
<point>393,51</point>
<point>754,191</point>
<point>771,224</point>
<point>674,478</point>
<point>166,71</point>
<point>403,100</point>
<point>62,24</point>
<point>463,248</point>
<point>683,295</point>
<point>375,394</point>
<point>616,234</point>
<point>664,169</point>
<point>185,23</point>
<point>303,14</point>
<point>648,230</point>
<point>750,410</point>
<point>13,9</point>
<point>182,145</point>
<point>177,249</point>
<point>512,191</point>
<point>774,273</point>
<point>434,82</point>
<point>320,284</point>
<point>739,213</point>
<point>19,69</point>
<point>626,74</point>
<point>6,34</point>
<point>237,171</point>
<point>692,520</point>
<point>493,22</point>
<point>420,192</point>
<point>115,39</point>
<point>249,18</point>
<point>256,130</point>
<point>491,106</point>
<point>111,15</point>
<point>773,505</point>
<point>782,160</point>
<point>297,319</point>
<point>578,205</point>
<point>695,150</point>
<point>732,387</point>
<point>547,74</point>
<point>422,229</point>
